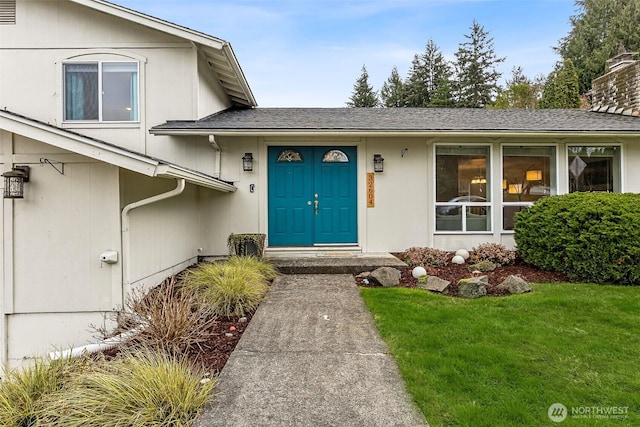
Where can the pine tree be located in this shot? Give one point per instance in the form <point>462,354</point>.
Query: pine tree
<point>476,62</point>
<point>562,89</point>
<point>428,83</point>
<point>363,94</point>
<point>392,93</point>
<point>598,28</point>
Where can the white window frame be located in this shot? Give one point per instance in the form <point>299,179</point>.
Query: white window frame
<point>465,205</point>
<point>100,119</point>
<point>553,192</point>
<point>595,144</point>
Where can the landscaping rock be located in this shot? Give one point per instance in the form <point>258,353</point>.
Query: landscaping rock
<point>474,287</point>
<point>514,285</point>
<point>434,284</point>
<point>386,276</point>
<point>483,266</point>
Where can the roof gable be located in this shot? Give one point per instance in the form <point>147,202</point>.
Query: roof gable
<point>217,52</point>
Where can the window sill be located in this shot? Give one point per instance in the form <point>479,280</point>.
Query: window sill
<point>101,125</point>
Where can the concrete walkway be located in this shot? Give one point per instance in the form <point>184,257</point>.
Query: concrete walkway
<point>311,356</point>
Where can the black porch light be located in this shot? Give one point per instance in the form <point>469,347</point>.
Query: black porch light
<point>378,163</point>
<point>14,182</point>
<point>247,162</point>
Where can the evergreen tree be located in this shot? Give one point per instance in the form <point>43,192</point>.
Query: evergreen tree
<point>476,62</point>
<point>417,92</point>
<point>392,92</point>
<point>363,94</point>
<point>562,89</point>
<point>520,91</point>
<point>429,81</point>
<point>597,30</point>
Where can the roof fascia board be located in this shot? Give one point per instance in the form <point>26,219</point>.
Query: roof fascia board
<point>365,133</point>
<point>106,153</point>
<point>173,171</point>
<point>152,22</point>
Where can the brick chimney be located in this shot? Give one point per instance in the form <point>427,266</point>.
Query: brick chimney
<point>618,91</point>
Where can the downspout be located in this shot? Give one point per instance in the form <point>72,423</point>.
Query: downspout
<point>217,167</point>
<point>126,239</point>
<point>126,276</point>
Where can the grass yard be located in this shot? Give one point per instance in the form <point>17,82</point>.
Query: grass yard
<point>503,361</point>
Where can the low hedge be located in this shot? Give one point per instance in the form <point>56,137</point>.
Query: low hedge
<point>592,237</point>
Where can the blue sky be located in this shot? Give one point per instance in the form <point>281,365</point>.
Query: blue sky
<point>309,53</point>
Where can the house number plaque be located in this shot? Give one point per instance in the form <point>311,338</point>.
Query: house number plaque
<point>371,190</point>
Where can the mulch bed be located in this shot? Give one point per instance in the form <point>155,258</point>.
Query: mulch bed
<point>456,272</point>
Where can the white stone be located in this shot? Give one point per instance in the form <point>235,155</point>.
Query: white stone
<point>418,272</point>
<point>457,260</point>
<point>463,253</point>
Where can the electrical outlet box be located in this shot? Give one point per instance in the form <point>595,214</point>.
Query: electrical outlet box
<point>109,257</point>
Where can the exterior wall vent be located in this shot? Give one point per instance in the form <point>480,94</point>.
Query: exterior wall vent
<point>7,12</point>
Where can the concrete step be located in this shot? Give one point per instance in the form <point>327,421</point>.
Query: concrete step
<point>336,262</point>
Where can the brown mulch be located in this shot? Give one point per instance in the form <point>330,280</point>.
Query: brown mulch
<point>456,272</point>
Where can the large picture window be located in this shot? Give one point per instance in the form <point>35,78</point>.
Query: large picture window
<point>528,173</point>
<point>594,168</point>
<point>462,189</point>
<point>101,91</point>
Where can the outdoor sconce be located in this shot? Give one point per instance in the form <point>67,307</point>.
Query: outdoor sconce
<point>247,162</point>
<point>378,163</point>
<point>534,175</point>
<point>14,182</point>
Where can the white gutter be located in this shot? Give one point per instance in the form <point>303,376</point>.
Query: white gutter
<point>395,133</point>
<point>218,163</point>
<point>126,238</point>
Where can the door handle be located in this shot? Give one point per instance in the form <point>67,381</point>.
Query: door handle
<point>315,206</point>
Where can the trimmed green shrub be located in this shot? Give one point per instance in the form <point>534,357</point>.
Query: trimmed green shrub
<point>227,289</point>
<point>592,237</point>
<point>141,389</point>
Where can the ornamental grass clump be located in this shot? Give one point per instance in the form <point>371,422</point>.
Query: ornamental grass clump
<point>266,269</point>
<point>22,390</point>
<point>169,318</point>
<point>228,289</point>
<point>139,389</point>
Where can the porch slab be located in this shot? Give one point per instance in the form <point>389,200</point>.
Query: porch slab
<point>331,262</point>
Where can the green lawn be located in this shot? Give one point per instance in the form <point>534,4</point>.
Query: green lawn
<point>502,361</point>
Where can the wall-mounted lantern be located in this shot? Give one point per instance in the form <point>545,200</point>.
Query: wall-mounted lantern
<point>378,163</point>
<point>247,162</point>
<point>14,182</point>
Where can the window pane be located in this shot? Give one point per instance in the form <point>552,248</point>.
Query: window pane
<point>81,91</point>
<point>509,214</point>
<point>593,168</point>
<point>462,174</point>
<point>335,156</point>
<point>119,91</point>
<point>478,218</point>
<point>528,173</point>
<point>289,156</point>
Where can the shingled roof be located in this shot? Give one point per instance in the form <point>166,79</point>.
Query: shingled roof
<point>402,120</point>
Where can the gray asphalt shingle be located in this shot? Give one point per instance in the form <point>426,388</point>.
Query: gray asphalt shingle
<point>408,120</point>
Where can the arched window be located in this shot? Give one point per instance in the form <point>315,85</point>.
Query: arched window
<point>289,156</point>
<point>335,156</point>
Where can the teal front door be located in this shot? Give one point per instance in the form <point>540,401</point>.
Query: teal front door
<point>312,196</point>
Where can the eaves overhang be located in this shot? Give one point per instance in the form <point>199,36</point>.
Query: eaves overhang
<point>363,133</point>
<point>217,52</point>
<point>105,152</point>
